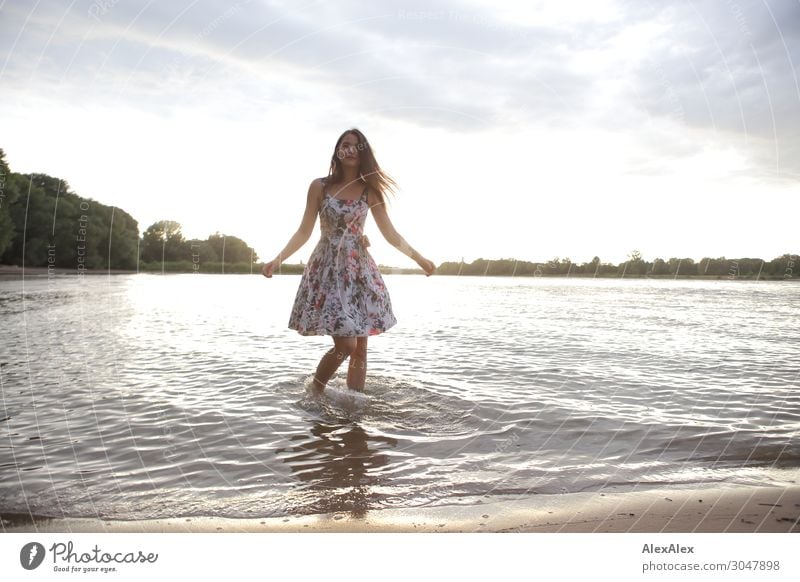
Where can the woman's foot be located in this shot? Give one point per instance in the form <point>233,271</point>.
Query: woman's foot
<point>316,386</point>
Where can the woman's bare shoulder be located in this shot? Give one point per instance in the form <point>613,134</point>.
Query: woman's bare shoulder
<point>374,197</point>
<point>319,184</point>
<point>316,190</point>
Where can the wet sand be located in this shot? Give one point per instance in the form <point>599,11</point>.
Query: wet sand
<point>717,510</point>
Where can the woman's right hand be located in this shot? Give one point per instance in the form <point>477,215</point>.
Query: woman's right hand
<point>270,267</point>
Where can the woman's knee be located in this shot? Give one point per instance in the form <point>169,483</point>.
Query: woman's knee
<point>360,351</point>
<point>344,347</point>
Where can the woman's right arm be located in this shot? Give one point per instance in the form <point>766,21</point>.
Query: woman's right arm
<point>299,238</point>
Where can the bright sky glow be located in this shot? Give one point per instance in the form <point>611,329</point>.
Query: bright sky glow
<point>526,130</point>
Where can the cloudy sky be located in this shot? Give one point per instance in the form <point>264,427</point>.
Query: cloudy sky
<point>530,130</point>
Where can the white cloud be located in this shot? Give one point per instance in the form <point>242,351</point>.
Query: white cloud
<point>516,129</point>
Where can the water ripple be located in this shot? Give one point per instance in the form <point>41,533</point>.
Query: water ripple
<point>144,397</point>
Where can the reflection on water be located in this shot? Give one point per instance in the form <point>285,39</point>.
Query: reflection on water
<point>136,397</point>
<point>339,465</point>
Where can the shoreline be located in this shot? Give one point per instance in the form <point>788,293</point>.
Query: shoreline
<point>13,271</point>
<point>730,509</point>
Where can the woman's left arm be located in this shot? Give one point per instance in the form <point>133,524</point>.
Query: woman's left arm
<point>393,238</point>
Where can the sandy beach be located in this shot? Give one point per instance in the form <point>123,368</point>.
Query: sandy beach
<point>708,510</point>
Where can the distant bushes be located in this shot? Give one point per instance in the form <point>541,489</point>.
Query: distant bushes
<point>784,267</point>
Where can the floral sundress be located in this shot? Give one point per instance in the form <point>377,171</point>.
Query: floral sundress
<point>341,291</point>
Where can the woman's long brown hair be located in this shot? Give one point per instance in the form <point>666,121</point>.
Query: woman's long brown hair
<point>370,172</point>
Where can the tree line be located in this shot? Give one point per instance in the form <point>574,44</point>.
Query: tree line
<point>165,248</point>
<point>43,223</point>
<point>783,267</point>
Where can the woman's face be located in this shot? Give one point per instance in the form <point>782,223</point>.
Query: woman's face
<point>349,152</point>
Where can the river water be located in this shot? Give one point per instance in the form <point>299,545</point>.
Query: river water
<point>148,396</point>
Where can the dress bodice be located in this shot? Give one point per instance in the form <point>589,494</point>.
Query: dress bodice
<point>342,218</point>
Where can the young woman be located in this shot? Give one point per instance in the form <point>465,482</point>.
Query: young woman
<point>341,292</point>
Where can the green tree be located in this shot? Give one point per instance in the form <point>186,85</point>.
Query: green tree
<point>202,252</point>
<point>231,249</point>
<point>636,265</point>
<point>784,267</point>
<point>9,192</point>
<point>660,267</point>
<point>684,266</point>
<point>33,223</point>
<point>592,266</point>
<point>163,240</point>
<point>124,240</point>
<point>50,225</point>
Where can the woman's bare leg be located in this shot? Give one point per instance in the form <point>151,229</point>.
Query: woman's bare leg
<point>357,370</point>
<point>342,348</point>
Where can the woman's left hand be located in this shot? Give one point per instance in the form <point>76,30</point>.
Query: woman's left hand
<point>426,266</point>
